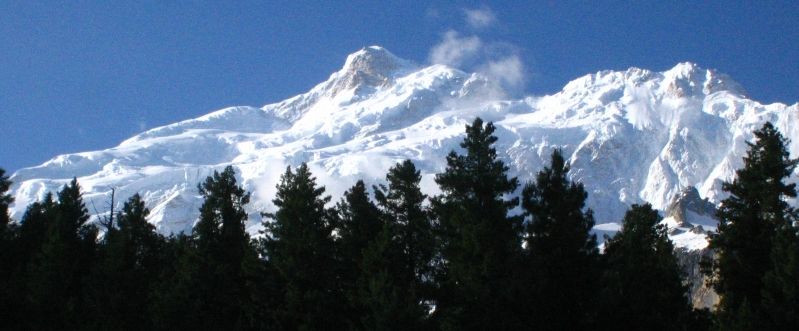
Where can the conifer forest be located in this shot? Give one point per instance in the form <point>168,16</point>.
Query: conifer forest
<point>487,253</point>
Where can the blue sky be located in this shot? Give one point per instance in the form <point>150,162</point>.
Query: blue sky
<point>85,75</point>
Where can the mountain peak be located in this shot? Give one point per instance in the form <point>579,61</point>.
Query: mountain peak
<point>685,69</point>
<point>373,61</point>
<point>369,67</point>
<point>628,140</point>
<point>685,79</point>
<point>688,78</point>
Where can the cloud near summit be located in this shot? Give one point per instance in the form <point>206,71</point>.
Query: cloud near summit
<point>498,60</point>
<point>480,18</point>
<point>454,50</point>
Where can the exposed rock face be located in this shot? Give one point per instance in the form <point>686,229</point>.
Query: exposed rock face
<point>688,200</point>
<point>369,68</point>
<point>694,215</point>
<point>701,294</point>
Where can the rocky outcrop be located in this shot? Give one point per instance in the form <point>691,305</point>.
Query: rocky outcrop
<point>688,200</point>
<point>700,293</point>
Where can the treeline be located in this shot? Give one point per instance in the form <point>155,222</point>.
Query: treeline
<point>401,260</point>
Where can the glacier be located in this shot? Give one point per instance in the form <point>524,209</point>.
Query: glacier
<point>632,136</point>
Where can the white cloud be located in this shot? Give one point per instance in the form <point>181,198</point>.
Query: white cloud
<point>480,18</point>
<point>508,70</point>
<point>500,61</point>
<point>454,50</point>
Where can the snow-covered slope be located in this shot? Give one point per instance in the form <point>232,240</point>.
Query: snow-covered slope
<point>632,136</point>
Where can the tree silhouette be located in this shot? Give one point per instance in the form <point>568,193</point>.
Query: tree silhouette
<point>561,252</point>
<point>479,241</point>
<point>299,243</point>
<point>748,222</point>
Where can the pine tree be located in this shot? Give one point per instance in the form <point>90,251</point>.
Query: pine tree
<point>561,251</point>
<point>130,261</point>
<point>748,221</point>
<point>395,270</point>
<point>26,244</point>
<point>389,300</point>
<point>5,201</point>
<point>219,279</point>
<point>58,273</point>
<point>402,206</point>
<point>223,258</point>
<point>32,232</point>
<point>480,242</point>
<point>358,226</point>
<point>299,244</point>
<point>7,256</point>
<point>176,296</point>
<point>642,284</point>
<point>781,283</point>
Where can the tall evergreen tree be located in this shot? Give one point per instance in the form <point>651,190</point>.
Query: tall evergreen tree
<point>561,251</point>
<point>480,242</point>
<point>130,261</point>
<point>32,232</point>
<point>748,221</point>
<point>176,295</point>
<point>358,226</point>
<point>5,200</point>
<point>299,244</point>
<point>7,258</point>
<point>59,271</point>
<point>402,206</point>
<point>642,284</point>
<point>389,300</point>
<point>219,269</point>
<point>28,241</point>
<point>395,271</point>
<point>781,283</point>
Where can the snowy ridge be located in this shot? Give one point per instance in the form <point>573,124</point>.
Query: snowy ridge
<point>632,136</point>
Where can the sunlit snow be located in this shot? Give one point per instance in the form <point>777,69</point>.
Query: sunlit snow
<point>631,136</point>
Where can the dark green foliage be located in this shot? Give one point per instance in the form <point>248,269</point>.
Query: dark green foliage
<point>479,241</point>
<point>395,271</point>
<point>299,243</point>
<point>642,288</point>
<point>33,228</point>
<point>5,200</point>
<point>215,276</point>
<point>31,234</point>
<point>781,283</point>
<point>376,273</point>
<point>401,204</point>
<point>562,255</point>
<point>741,319</point>
<point>57,276</point>
<point>173,295</point>
<point>359,222</point>
<point>130,261</point>
<point>749,219</point>
<point>26,243</point>
<point>384,266</point>
<point>358,226</point>
<point>7,256</point>
<point>389,299</point>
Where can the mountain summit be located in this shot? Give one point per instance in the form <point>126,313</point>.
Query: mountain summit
<point>372,66</point>
<point>631,136</point>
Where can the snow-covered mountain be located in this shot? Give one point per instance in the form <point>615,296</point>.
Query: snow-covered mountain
<point>632,136</point>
